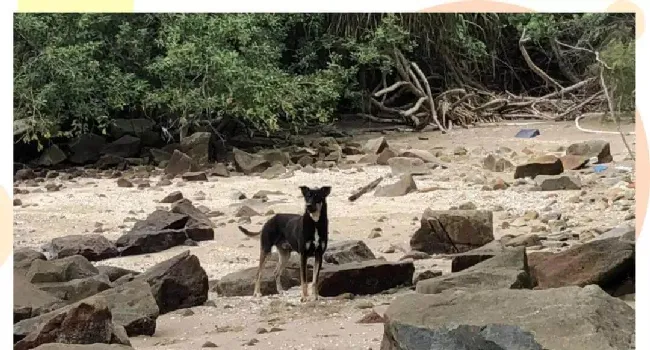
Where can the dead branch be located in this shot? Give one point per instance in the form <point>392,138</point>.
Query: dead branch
<point>531,64</point>
<point>391,88</point>
<point>578,106</point>
<point>431,103</point>
<point>611,110</point>
<point>365,189</point>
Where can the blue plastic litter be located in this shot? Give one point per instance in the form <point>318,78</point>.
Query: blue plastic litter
<point>527,133</point>
<point>599,168</point>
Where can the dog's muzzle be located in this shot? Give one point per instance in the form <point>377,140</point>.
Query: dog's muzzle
<point>312,208</point>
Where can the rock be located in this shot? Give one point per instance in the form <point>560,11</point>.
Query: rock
<point>132,306</point>
<point>375,146</point>
<point>624,232</point>
<point>343,252</point>
<point>529,240</point>
<point>60,346</point>
<point>200,146</point>
<point>177,283</point>
<point>369,159</point>
<point>220,170</point>
<point>375,233</point>
<point>304,161</point>
<point>248,163</point>
<point>52,156</point>
<point>60,270</point>
<point>273,172</point>
<point>277,156</point>
<point>88,322</point>
<point>134,127</point>
<point>607,263</point>
<point>363,278</point>
<point>544,165</point>
<point>113,272</point>
<point>77,289</point>
<point>425,275</point>
<point>53,187</point>
<point>467,229</point>
<point>125,147</point>
<point>402,187</point>
<point>385,156</point>
<point>93,247</point>
<point>209,344</point>
<point>24,257</point>
<point>557,182</point>
<point>371,317</point>
<point>241,283</point>
<point>467,206</point>
<point>350,150</point>
<point>246,211</point>
<point>172,197</point>
<point>501,319</point>
<point>425,156</point>
<point>593,148</point>
<point>161,230</point>
<point>506,270</point>
<point>404,165</point>
<point>147,242</point>
<point>573,162</point>
<point>86,148</point>
<point>460,151</point>
<point>496,163</point>
<point>194,176</point>
<point>109,161</point>
<point>30,301</point>
<point>415,255</point>
<point>17,202</point>
<point>199,227</point>
<point>159,156</point>
<point>180,163</point>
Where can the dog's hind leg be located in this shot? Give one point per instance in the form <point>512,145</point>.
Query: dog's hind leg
<point>279,268</point>
<point>263,254</point>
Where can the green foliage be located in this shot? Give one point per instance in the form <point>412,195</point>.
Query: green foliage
<point>74,73</point>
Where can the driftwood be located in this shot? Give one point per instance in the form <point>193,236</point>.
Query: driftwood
<point>365,189</point>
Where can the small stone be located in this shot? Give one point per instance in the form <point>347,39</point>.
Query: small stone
<point>52,187</point>
<point>505,225</point>
<point>530,215</point>
<point>275,329</point>
<point>364,304</point>
<point>187,313</point>
<point>17,202</point>
<point>375,233</point>
<point>372,317</point>
<point>195,176</point>
<point>164,182</point>
<point>251,342</point>
<point>460,151</point>
<point>467,206</point>
<point>209,344</point>
<point>261,330</point>
<point>124,183</point>
<point>172,197</point>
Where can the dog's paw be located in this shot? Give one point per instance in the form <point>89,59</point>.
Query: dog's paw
<point>257,295</point>
<point>304,299</point>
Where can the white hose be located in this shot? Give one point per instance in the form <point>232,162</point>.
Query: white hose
<point>598,131</point>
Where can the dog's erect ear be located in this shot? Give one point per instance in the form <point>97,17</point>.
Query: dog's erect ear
<point>325,190</point>
<point>304,190</point>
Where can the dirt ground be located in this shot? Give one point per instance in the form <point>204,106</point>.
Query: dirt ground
<point>84,206</point>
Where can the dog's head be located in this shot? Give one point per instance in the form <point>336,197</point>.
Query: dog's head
<point>314,199</point>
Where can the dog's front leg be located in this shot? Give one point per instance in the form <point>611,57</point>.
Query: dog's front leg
<point>318,262</point>
<point>303,277</point>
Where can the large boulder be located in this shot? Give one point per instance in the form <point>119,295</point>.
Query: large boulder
<point>248,163</point>
<point>241,283</point>
<point>198,227</point>
<point>93,247</point>
<point>364,278</point>
<point>87,322</point>
<point>452,231</point>
<point>132,306</point>
<point>406,165</point>
<point>86,148</point>
<point>344,252</point>
<point>375,146</point>
<point>24,257</point>
<point>544,165</point>
<point>125,147</point>
<point>61,270</point>
<point>114,273</point>
<point>180,163</point>
<point>199,146</point>
<point>30,301</point>
<point>160,231</point>
<point>606,262</point>
<point>77,289</point>
<point>593,148</point>
<point>177,283</point>
<point>564,318</point>
<point>402,187</point>
<point>52,156</point>
<point>507,270</point>
<point>134,127</point>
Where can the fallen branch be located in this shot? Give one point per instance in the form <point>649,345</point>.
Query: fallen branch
<point>365,189</point>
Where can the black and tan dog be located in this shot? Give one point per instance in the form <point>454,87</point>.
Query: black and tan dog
<point>305,234</point>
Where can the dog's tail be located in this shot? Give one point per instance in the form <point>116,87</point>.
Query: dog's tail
<point>248,233</point>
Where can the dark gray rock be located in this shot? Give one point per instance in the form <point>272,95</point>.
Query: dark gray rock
<point>364,278</point>
<point>344,252</point>
<point>93,247</point>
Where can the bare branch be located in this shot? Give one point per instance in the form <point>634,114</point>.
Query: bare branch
<point>532,65</point>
